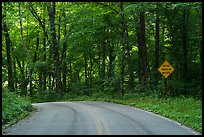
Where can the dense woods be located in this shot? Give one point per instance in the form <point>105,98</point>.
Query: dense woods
<point>53,49</point>
<point>104,51</point>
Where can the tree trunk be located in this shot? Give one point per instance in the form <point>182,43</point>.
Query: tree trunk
<point>103,58</point>
<point>85,69</point>
<point>35,53</point>
<point>40,83</point>
<point>137,29</point>
<point>57,77</point>
<point>23,87</point>
<point>36,50</point>
<point>59,21</point>
<point>185,51</point>
<point>185,65</point>
<point>91,68</point>
<point>8,55</point>
<point>44,57</point>
<point>103,66</point>
<point>99,61</point>
<point>15,79</point>
<point>26,50</point>
<point>64,48</point>
<point>143,51</point>
<point>111,59</point>
<point>156,48</point>
<point>70,72</point>
<point>201,61</point>
<point>34,61</point>
<point>129,60</point>
<point>122,68</point>
<point>100,77</point>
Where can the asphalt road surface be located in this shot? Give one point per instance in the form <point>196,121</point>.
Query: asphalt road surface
<point>94,118</point>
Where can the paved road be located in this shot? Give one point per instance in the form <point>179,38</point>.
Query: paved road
<point>94,118</point>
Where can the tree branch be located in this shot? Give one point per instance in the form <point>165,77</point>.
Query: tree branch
<point>99,3</point>
<point>34,13</point>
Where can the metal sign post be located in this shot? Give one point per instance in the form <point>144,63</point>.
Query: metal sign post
<point>165,88</point>
<point>165,69</point>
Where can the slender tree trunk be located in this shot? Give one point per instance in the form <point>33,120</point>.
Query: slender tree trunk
<point>111,59</point>
<point>185,51</point>
<point>201,63</point>
<point>23,87</point>
<point>15,79</point>
<point>99,61</point>
<point>137,29</point>
<point>37,47</point>
<point>64,57</point>
<point>8,55</point>
<point>156,48</point>
<point>85,69</point>
<point>59,21</point>
<point>91,69</point>
<point>129,60</point>
<point>122,68</point>
<point>70,72</point>
<point>50,73</point>
<point>40,83</point>
<point>103,66</point>
<point>100,77</point>
<point>103,58</point>
<point>26,50</point>
<point>44,57</point>
<point>34,61</point>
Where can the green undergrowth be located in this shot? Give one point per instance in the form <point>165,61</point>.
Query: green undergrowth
<point>14,108</point>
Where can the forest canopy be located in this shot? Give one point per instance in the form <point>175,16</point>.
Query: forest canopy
<point>114,48</point>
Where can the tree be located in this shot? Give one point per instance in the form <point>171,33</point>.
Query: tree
<point>122,68</point>
<point>156,44</point>
<point>26,50</point>
<point>142,51</point>
<point>51,13</point>
<point>100,48</point>
<point>8,54</point>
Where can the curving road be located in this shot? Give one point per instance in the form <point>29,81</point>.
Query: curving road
<point>94,118</point>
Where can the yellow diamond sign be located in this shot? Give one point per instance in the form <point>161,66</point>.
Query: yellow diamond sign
<point>166,69</point>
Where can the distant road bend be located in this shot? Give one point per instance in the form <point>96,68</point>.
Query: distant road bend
<point>94,118</point>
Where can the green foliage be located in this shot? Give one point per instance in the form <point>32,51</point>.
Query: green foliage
<point>42,66</point>
<point>46,96</point>
<point>179,88</point>
<point>90,35</point>
<point>111,85</point>
<point>13,106</point>
<point>84,28</point>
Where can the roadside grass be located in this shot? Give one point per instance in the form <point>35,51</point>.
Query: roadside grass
<point>14,108</point>
<point>185,110</point>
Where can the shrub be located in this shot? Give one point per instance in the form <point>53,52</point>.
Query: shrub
<point>13,106</point>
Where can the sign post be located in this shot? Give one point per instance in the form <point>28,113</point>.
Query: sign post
<point>165,69</point>
<point>165,88</point>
